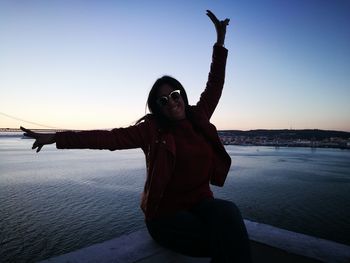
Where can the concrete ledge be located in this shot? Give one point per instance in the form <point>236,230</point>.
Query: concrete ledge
<point>135,247</point>
<point>298,244</point>
<point>139,247</point>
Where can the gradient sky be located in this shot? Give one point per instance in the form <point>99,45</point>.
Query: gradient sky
<point>91,64</point>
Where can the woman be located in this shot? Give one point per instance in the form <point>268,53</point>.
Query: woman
<point>183,155</point>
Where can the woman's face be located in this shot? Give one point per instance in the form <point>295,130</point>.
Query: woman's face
<point>173,107</point>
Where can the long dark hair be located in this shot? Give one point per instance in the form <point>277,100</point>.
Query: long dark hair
<point>152,105</point>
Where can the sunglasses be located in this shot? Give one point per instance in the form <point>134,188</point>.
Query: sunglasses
<point>174,95</point>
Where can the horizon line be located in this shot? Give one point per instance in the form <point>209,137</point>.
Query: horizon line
<point>219,130</point>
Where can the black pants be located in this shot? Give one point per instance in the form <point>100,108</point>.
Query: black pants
<point>213,228</point>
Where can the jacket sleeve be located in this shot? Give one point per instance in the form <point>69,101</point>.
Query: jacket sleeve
<point>212,93</point>
<point>135,136</point>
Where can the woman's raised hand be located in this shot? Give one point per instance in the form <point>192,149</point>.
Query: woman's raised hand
<point>220,27</point>
<point>41,139</point>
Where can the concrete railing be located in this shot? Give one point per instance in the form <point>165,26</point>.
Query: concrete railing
<point>139,247</point>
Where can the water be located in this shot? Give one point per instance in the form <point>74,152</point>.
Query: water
<point>62,200</point>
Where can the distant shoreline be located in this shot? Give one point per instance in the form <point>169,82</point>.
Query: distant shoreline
<point>256,131</point>
<point>288,138</point>
<point>38,130</point>
<point>269,138</point>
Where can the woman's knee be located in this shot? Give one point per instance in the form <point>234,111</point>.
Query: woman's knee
<point>227,209</point>
<point>219,211</point>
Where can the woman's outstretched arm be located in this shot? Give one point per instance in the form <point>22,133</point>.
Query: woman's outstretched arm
<point>212,93</point>
<point>135,136</point>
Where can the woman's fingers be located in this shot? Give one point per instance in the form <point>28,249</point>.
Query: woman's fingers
<point>212,17</point>
<point>24,129</point>
<point>226,21</point>
<point>39,148</point>
<point>40,139</point>
<point>31,134</point>
<point>35,144</point>
<point>220,25</point>
<point>28,132</point>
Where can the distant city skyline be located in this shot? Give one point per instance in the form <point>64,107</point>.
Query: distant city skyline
<point>90,65</point>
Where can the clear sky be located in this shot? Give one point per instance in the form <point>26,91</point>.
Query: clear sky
<point>91,64</point>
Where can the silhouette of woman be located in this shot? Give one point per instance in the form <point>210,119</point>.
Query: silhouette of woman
<point>183,156</point>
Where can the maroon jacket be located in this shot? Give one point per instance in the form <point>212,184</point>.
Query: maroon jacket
<point>158,144</point>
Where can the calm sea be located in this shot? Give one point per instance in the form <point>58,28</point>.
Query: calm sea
<point>62,200</point>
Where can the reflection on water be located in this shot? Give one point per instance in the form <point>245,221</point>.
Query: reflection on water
<point>61,200</point>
